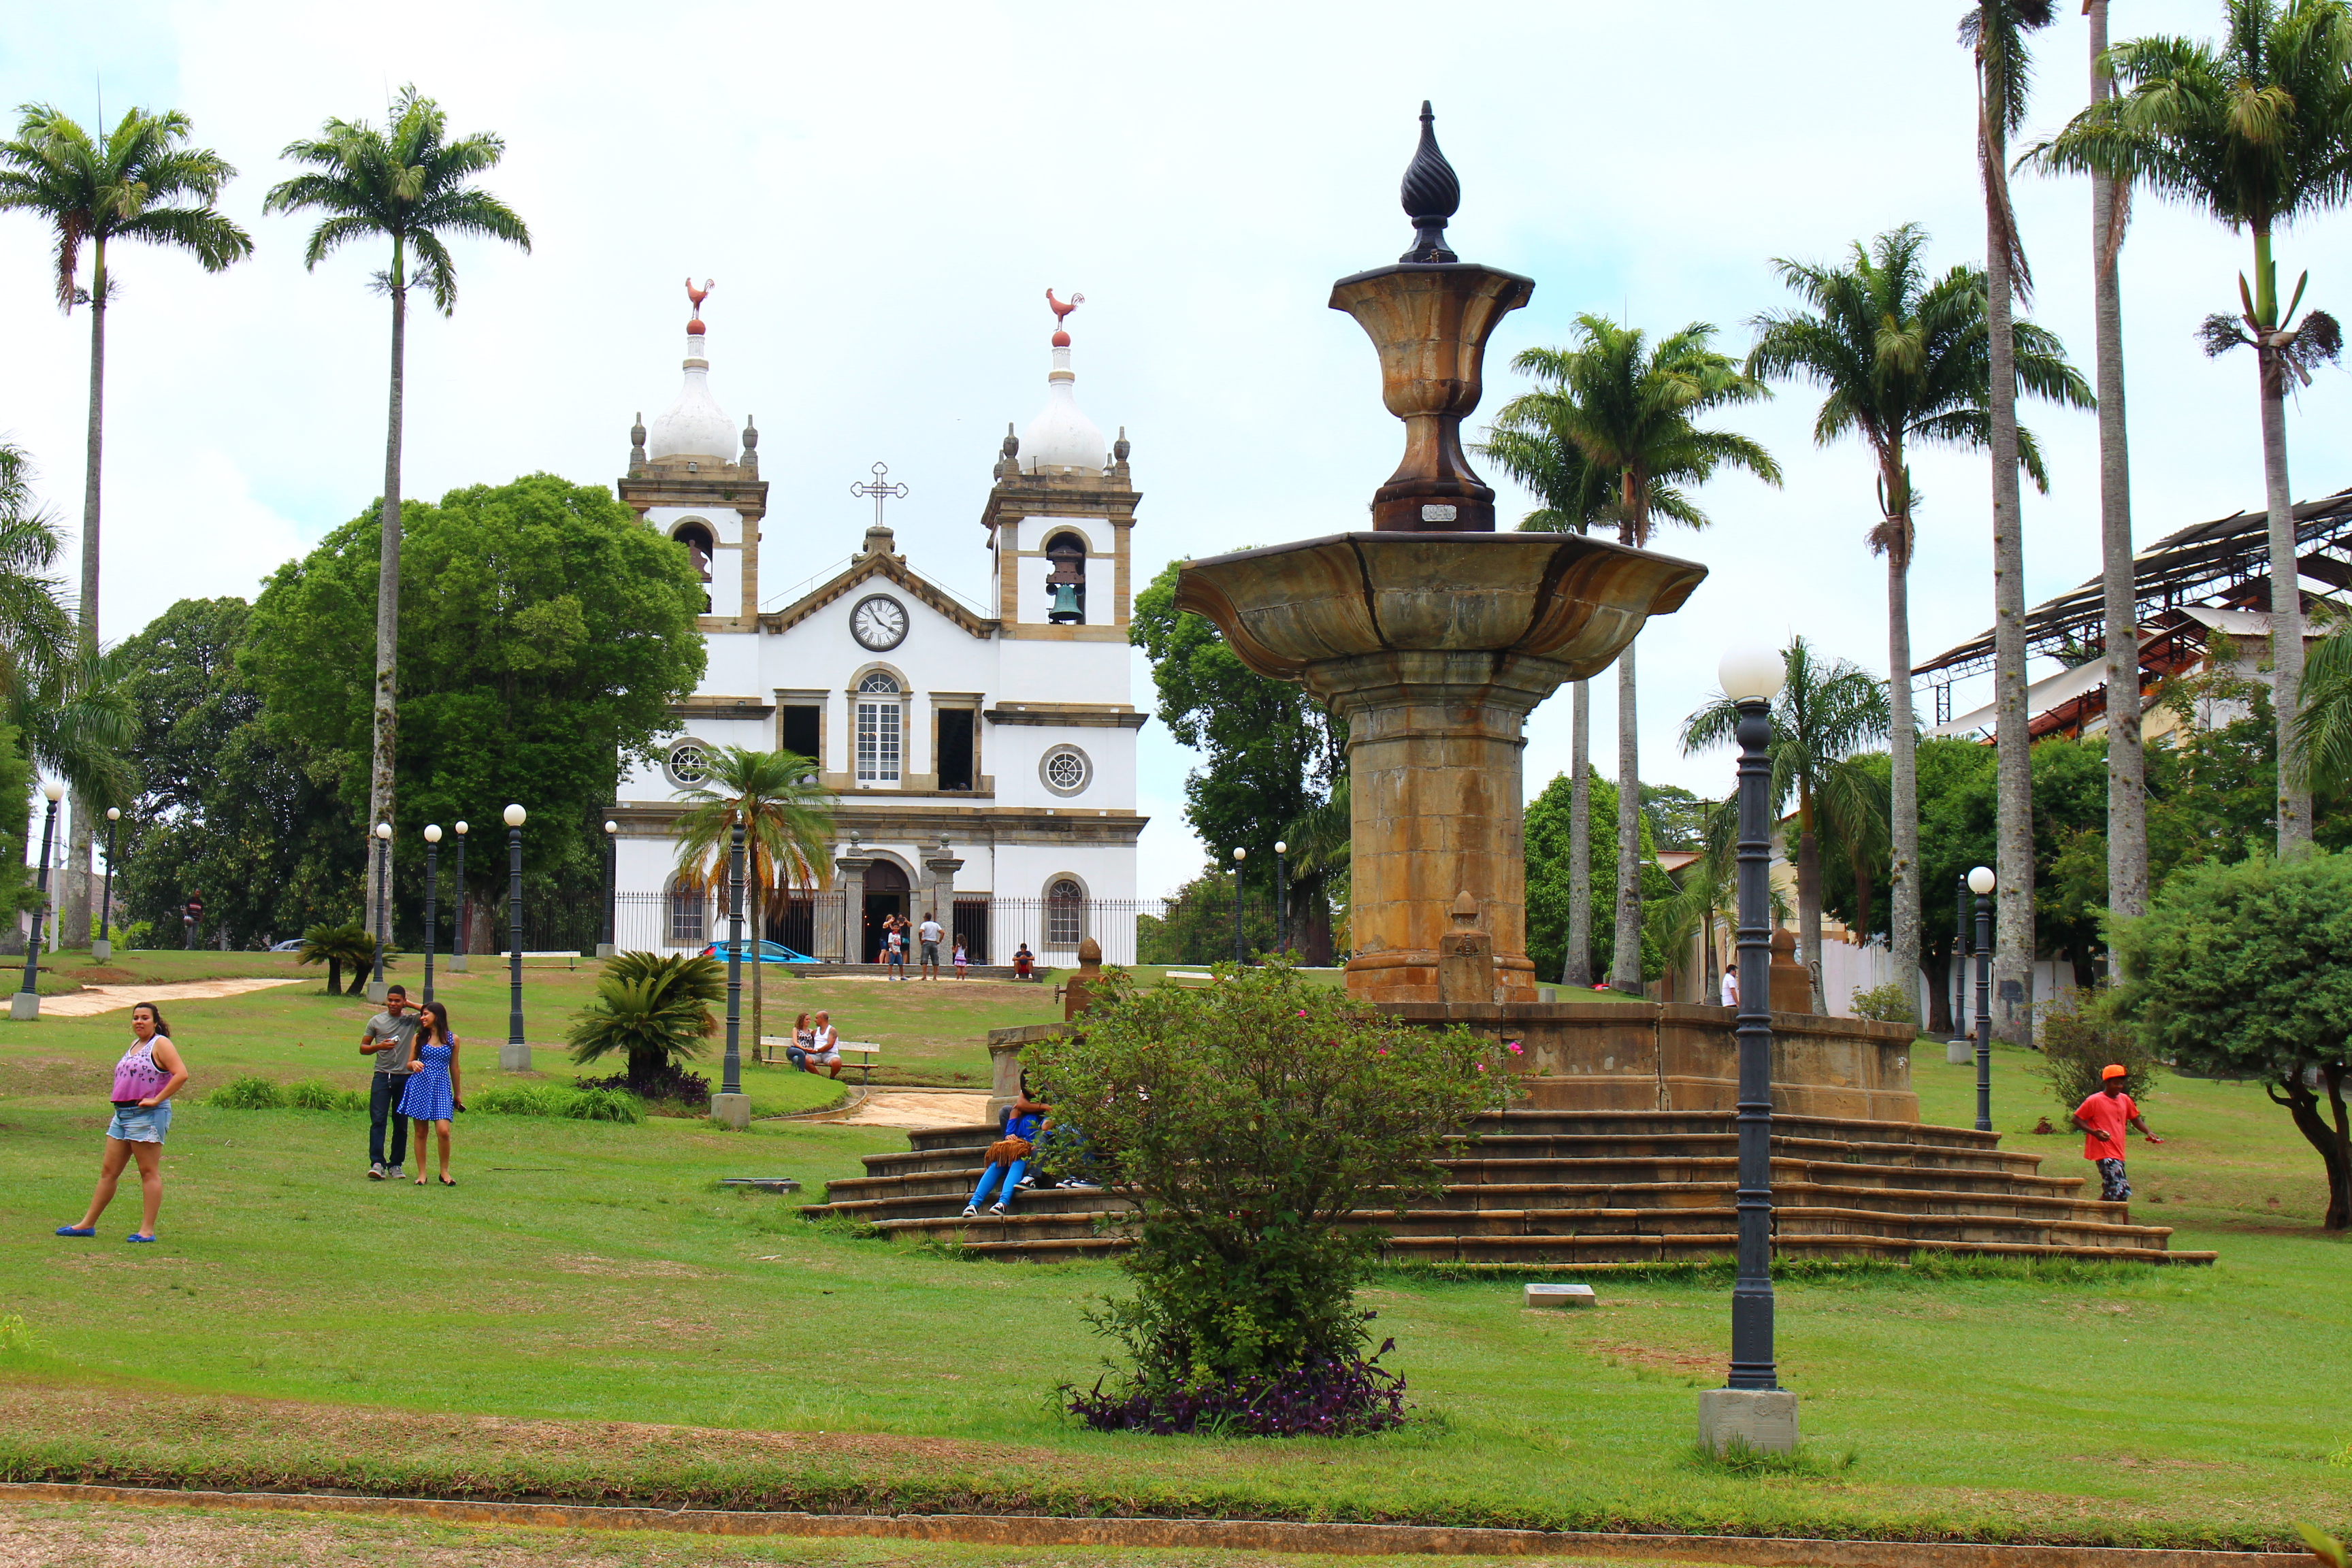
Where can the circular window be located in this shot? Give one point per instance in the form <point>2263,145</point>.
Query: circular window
<point>687,764</point>
<point>1066,769</point>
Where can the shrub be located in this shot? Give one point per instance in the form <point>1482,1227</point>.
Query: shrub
<point>309,1094</point>
<point>2080,1037</point>
<point>673,1082</point>
<point>336,945</point>
<point>246,1094</point>
<point>554,1099</point>
<point>1249,1120</point>
<point>1887,1003</point>
<point>654,1009</point>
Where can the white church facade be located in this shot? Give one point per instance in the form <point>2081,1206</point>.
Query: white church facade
<point>981,759</point>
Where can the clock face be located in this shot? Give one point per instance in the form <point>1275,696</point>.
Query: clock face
<point>879,623</point>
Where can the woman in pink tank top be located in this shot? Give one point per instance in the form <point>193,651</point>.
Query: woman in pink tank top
<point>145,1079</point>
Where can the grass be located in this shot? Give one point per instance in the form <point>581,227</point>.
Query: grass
<point>589,1316</point>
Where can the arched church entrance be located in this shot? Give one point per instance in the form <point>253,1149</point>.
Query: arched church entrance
<point>885,895</point>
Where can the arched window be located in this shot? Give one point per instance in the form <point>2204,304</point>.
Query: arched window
<point>689,911</point>
<point>695,534</point>
<point>1066,911</point>
<point>880,728</point>
<point>1066,581</point>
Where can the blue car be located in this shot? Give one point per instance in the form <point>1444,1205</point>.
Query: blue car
<point>757,952</point>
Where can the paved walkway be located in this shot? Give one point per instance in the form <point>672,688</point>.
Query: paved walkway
<point>915,1109</point>
<point>92,1000</point>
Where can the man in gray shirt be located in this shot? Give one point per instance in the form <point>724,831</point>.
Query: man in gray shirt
<point>387,1039</point>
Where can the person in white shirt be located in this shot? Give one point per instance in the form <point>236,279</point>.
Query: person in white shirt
<point>932,933</point>
<point>1730,987</point>
<point>824,1047</point>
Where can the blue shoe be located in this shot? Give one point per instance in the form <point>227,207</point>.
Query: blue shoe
<point>136,1237</point>
<point>76,1230</point>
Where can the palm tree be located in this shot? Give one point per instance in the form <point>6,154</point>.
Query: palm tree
<point>654,1009</point>
<point>141,184</point>
<point>1827,712</point>
<point>2258,131</point>
<point>787,823</point>
<point>36,624</point>
<point>76,718</point>
<point>335,945</point>
<point>1994,31</point>
<point>406,183</point>
<point>1529,445</point>
<point>1631,408</point>
<point>1903,360</point>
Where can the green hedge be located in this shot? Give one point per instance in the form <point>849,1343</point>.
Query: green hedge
<point>501,1100</point>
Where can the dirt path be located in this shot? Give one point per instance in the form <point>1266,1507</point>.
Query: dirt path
<point>913,1109</point>
<point>92,1000</point>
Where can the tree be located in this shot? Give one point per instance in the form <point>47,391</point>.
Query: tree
<point>1552,883</point>
<point>1903,360</point>
<point>336,945</point>
<point>249,817</point>
<point>1271,754</point>
<point>140,184</point>
<point>654,1009</point>
<point>406,183</point>
<point>1994,31</point>
<point>2245,971</point>
<point>1531,446</point>
<point>37,630</point>
<point>2257,131</point>
<point>1320,1111</point>
<point>1631,409</point>
<point>787,821</point>
<point>1826,711</point>
<point>558,632</point>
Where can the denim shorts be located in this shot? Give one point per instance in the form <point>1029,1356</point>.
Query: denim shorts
<point>138,1124</point>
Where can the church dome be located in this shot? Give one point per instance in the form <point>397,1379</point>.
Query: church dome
<point>695,426</point>
<point>1062,440</point>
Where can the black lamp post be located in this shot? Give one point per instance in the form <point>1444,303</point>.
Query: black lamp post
<point>612,886</point>
<point>432,899</point>
<point>105,949</point>
<point>1240,855</point>
<point>461,926</point>
<point>382,903</point>
<point>1751,679</point>
<point>26,1003</point>
<point>1981,883</point>
<point>1281,902</point>
<point>516,1058</point>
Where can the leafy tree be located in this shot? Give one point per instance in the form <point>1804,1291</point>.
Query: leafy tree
<point>1994,31</point>
<point>1903,360</point>
<point>554,633</point>
<point>1197,923</point>
<point>2245,971</point>
<point>336,945</point>
<point>1631,409</point>
<point>1550,866</point>
<point>407,182</point>
<point>787,821</point>
<point>1826,711</point>
<point>140,184</point>
<point>1270,752</point>
<point>1316,1110</point>
<point>2258,131</point>
<point>35,622</point>
<point>223,806</point>
<point>654,1009</point>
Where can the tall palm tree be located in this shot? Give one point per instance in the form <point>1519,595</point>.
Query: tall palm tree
<point>1994,31</point>
<point>405,182</point>
<point>2256,129</point>
<point>1828,710</point>
<point>1529,445</point>
<point>1903,359</point>
<point>787,823</point>
<point>138,184</point>
<point>37,622</point>
<point>1631,409</point>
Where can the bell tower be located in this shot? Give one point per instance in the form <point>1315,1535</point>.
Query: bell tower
<point>1058,517</point>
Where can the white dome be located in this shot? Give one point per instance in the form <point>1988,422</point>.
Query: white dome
<point>1062,439</point>
<point>695,426</point>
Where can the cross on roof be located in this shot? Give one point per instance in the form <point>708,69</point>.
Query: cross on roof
<point>880,487</point>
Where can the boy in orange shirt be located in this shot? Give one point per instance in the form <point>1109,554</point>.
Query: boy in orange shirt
<point>2102,1118</point>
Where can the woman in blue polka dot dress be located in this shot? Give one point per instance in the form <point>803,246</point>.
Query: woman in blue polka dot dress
<point>435,1088</point>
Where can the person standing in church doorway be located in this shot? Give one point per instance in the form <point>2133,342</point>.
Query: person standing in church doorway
<point>931,933</point>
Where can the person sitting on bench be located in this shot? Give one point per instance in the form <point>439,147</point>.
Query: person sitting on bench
<point>1008,1157</point>
<point>824,1047</point>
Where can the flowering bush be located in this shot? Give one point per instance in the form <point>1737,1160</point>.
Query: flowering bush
<point>1249,1122</point>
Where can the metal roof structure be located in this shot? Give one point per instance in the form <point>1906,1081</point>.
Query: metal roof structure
<point>2225,561</point>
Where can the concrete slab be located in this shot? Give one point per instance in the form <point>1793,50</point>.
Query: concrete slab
<point>1764,1419</point>
<point>1560,1296</point>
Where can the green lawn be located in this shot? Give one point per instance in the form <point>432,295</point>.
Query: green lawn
<point>588,1315</point>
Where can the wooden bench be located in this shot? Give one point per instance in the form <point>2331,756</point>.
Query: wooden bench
<point>772,1049</point>
<point>571,959</point>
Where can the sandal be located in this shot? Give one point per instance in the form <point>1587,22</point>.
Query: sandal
<point>420,1180</point>
<point>135,1235</point>
<point>77,1230</point>
<point>447,1182</point>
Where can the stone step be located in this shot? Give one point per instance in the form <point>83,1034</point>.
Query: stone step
<point>1694,1248</point>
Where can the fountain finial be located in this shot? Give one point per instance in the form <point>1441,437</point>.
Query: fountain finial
<point>1431,194</point>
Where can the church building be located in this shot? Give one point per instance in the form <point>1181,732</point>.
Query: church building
<point>981,759</point>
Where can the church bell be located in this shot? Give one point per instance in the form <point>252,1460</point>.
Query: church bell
<point>1065,604</point>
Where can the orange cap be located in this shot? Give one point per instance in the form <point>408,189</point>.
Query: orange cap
<point>2112,1070</point>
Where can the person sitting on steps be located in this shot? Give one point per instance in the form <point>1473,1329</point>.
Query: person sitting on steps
<point>1008,1157</point>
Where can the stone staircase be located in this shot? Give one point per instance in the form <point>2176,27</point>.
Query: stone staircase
<point>1599,1187</point>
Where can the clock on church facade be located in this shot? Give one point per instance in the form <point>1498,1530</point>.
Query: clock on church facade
<point>980,753</point>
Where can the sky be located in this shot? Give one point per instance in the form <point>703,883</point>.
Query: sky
<point>883,194</point>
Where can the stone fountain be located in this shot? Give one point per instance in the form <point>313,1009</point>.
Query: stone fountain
<point>1433,635</point>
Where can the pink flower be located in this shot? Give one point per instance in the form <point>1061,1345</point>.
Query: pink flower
<point>1482,1066</point>
<point>1513,1047</point>
<point>1382,1052</point>
<point>1302,1012</point>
